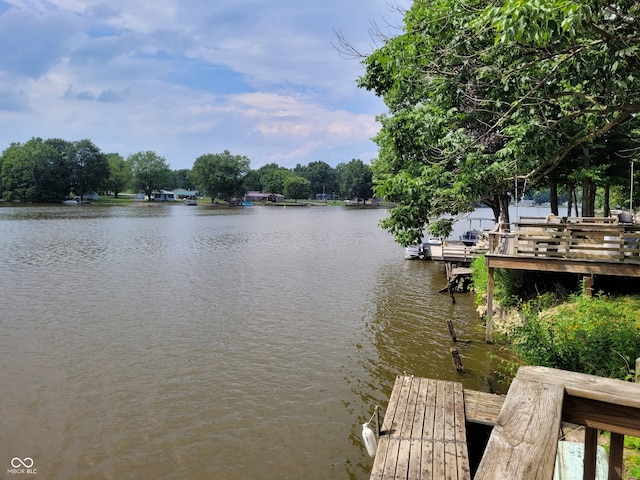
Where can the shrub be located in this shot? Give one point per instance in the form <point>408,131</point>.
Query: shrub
<point>512,287</point>
<point>598,336</point>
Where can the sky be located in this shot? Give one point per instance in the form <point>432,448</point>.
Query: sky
<point>183,78</point>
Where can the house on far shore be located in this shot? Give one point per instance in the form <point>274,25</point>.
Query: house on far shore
<point>263,197</point>
<point>163,196</point>
<point>181,193</point>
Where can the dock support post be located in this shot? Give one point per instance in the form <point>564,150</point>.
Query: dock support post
<point>616,451</point>
<point>489,320</point>
<point>587,283</point>
<point>455,356</point>
<point>452,331</point>
<point>590,449</point>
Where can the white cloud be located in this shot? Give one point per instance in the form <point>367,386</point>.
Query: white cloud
<point>186,78</point>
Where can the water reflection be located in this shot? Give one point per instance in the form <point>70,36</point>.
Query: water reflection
<point>179,342</point>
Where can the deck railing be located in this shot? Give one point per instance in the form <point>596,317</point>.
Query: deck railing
<point>599,239</point>
<point>523,442</point>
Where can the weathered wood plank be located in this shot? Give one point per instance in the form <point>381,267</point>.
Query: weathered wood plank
<point>385,447</point>
<point>462,453</point>
<point>586,386</point>
<point>523,442</point>
<point>481,407</point>
<point>615,456</point>
<point>629,268</point>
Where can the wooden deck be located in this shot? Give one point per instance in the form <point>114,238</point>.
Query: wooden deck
<point>423,434</point>
<point>585,246</point>
<point>456,253</point>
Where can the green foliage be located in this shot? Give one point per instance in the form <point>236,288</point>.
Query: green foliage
<point>598,336</point>
<point>441,228</point>
<point>297,187</point>
<point>47,171</point>
<point>221,175</point>
<point>150,172</point>
<point>354,180</point>
<point>481,92</point>
<point>120,174</point>
<point>321,176</point>
<point>89,167</point>
<point>510,286</point>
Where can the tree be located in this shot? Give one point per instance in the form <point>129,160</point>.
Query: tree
<point>89,167</point>
<point>19,172</point>
<point>59,168</point>
<point>36,171</point>
<point>151,172</point>
<point>482,94</point>
<point>437,153</point>
<point>576,82</point>
<point>221,175</point>
<point>296,187</point>
<point>274,180</point>
<point>355,180</point>
<point>120,174</point>
<point>321,176</point>
<point>182,179</point>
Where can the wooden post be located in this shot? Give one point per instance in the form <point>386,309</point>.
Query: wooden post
<point>638,370</point>
<point>455,356</point>
<point>588,286</point>
<point>489,332</point>
<point>615,456</point>
<point>452,331</point>
<point>590,451</point>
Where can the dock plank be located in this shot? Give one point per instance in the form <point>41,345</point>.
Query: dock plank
<point>523,442</point>
<point>481,407</point>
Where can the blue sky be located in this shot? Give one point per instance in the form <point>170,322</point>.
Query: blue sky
<point>189,77</point>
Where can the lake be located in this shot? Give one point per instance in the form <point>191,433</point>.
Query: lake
<point>169,341</point>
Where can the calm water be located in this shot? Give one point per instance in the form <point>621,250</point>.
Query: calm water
<point>167,341</point>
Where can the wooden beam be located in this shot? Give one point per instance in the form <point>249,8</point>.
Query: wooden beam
<point>524,441</point>
<point>586,386</point>
<point>489,319</point>
<point>481,407</point>
<point>586,267</point>
<point>616,451</point>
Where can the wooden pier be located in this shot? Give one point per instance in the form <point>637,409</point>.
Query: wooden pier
<point>424,430</point>
<point>584,246</point>
<point>457,258</point>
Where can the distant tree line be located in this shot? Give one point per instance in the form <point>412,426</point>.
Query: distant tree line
<point>54,169</point>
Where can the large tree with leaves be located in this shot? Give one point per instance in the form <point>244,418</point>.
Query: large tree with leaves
<point>37,171</point>
<point>151,172</point>
<point>221,175</point>
<point>482,93</point>
<point>438,154</point>
<point>355,180</point>
<point>120,174</point>
<point>89,167</point>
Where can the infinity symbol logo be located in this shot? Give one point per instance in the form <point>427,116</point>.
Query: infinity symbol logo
<point>26,462</point>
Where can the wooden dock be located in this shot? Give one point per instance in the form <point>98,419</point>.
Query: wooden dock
<point>457,253</point>
<point>423,433</point>
<point>583,246</point>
